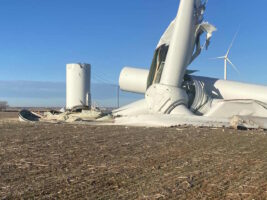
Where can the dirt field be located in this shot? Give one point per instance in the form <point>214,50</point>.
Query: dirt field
<point>45,161</point>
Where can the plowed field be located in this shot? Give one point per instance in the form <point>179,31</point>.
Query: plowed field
<point>61,161</point>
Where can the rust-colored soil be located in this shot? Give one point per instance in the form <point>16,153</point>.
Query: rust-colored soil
<point>50,161</point>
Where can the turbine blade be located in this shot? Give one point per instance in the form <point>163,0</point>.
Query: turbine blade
<point>235,68</point>
<point>231,45</point>
<point>221,57</point>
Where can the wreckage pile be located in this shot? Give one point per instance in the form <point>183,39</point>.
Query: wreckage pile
<point>93,115</point>
<point>173,96</point>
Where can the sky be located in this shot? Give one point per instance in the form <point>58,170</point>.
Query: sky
<point>39,37</point>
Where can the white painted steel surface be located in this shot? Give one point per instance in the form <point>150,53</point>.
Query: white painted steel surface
<point>230,90</point>
<point>78,83</point>
<point>133,80</point>
<point>181,45</point>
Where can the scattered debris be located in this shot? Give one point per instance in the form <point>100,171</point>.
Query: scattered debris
<point>28,116</point>
<point>53,116</point>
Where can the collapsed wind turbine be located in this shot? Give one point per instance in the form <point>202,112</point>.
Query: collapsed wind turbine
<point>172,96</point>
<point>227,60</point>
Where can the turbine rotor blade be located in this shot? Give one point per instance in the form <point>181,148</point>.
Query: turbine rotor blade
<point>221,57</point>
<point>235,68</point>
<point>231,45</point>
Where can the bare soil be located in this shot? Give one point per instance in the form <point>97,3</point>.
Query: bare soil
<point>63,161</point>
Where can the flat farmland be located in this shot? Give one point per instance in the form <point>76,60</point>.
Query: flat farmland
<point>72,161</point>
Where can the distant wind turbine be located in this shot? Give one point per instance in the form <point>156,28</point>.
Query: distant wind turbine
<point>227,60</point>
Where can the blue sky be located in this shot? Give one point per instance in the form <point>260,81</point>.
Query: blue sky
<point>38,38</point>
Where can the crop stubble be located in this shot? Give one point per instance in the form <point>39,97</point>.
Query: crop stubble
<point>110,162</point>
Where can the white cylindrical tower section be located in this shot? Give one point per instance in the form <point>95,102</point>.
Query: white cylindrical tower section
<point>230,90</point>
<point>133,80</point>
<point>78,84</point>
<point>180,49</point>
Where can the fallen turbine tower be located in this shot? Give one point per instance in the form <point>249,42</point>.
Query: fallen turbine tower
<point>173,96</point>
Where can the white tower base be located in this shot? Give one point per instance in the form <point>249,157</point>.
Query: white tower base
<point>78,78</point>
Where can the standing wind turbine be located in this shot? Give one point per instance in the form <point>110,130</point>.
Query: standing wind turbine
<point>227,60</point>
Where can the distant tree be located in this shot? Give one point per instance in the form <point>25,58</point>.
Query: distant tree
<point>3,105</point>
